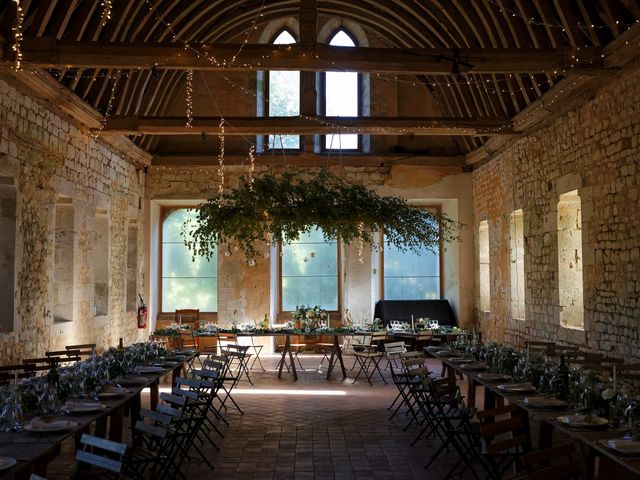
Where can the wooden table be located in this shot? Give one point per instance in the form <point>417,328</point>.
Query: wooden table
<point>547,418</point>
<point>34,451</point>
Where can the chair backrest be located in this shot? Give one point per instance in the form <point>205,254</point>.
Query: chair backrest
<point>551,468</point>
<point>10,372</point>
<point>188,316</point>
<point>41,364</point>
<point>112,457</point>
<point>506,434</point>
<point>86,349</point>
<point>66,356</point>
<point>36,477</point>
<point>628,371</point>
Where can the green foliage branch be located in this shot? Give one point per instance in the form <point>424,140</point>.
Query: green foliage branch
<point>281,207</point>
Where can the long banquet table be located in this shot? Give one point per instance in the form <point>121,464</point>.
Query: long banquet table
<point>593,439</point>
<point>33,451</point>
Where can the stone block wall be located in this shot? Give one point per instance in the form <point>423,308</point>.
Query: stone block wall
<point>46,158</point>
<point>594,149</point>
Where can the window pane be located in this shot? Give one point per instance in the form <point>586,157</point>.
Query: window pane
<point>284,98</point>
<point>341,98</point>
<point>411,288</point>
<point>199,293</point>
<point>409,276</point>
<point>310,272</point>
<point>186,283</point>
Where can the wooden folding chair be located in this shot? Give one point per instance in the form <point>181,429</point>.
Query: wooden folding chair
<point>9,373</point>
<point>369,359</point>
<point>66,356</point>
<point>505,440</point>
<point>106,455</point>
<point>41,364</point>
<point>86,350</point>
<point>556,463</point>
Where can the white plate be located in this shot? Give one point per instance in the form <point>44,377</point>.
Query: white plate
<point>149,369</point>
<point>583,421</point>
<point>517,387</point>
<point>474,366</point>
<point>114,392</point>
<point>494,377</point>
<point>81,408</point>
<point>57,426</point>
<point>545,402</point>
<point>7,462</point>
<point>621,445</point>
<point>132,381</point>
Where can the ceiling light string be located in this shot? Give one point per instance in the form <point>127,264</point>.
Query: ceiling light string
<point>105,14</point>
<point>17,36</point>
<point>540,23</point>
<point>221,159</point>
<point>103,121</point>
<point>252,165</point>
<point>189,99</point>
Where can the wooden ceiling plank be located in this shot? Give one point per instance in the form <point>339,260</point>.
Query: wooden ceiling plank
<point>305,125</point>
<point>590,25</point>
<point>565,23</point>
<point>546,16</point>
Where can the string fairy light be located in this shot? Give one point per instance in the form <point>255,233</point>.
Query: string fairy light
<point>103,121</point>
<point>360,243</point>
<point>221,158</point>
<point>189,99</point>
<point>105,14</point>
<point>252,165</point>
<point>17,36</point>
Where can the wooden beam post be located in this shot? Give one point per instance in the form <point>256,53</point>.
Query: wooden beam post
<point>308,87</point>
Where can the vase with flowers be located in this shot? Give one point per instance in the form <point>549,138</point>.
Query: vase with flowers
<point>309,318</point>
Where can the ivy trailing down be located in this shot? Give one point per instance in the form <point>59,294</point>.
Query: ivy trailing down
<point>279,208</point>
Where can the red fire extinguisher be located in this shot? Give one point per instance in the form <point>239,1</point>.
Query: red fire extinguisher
<point>142,313</point>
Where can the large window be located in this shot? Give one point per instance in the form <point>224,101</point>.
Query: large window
<point>410,276</point>
<point>186,283</point>
<point>284,98</point>
<point>341,97</point>
<point>309,273</point>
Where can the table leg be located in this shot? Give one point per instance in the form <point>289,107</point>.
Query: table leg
<point>135,405</point>
<point>285,350</point>
<point>471,392</point>
<point>489,399</point>
<point>292,359</point>
<point>154,394</point>
<point>100,429</point>
<point>545,434</point>
<point>336,352</point>
<point>116,424</point>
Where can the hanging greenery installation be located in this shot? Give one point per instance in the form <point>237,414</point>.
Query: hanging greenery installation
<point>280,207</point>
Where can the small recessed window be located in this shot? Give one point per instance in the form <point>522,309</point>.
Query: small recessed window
<point>570,260</point>
<point>484,266</point>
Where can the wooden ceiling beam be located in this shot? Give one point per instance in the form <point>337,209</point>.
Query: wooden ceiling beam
<point>308,159</point>
<point>307,125</point>
<point>51,53</point>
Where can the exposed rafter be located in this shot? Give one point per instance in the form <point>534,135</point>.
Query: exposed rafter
<point>52,53</point>
<point>307,159</point>
<point>306,125</point>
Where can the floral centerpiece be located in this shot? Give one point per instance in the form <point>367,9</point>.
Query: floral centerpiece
<point>307,317</point>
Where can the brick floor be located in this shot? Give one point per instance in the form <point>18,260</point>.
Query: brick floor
<point>311,428</point>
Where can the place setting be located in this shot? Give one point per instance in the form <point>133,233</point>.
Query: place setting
<point>50,424</point>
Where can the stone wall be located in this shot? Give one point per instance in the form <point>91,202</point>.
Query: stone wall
<point>47,158</point>
<point>595,150</point>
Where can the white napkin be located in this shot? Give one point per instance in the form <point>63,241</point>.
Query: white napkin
<point>39,424</point>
